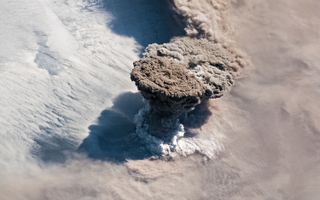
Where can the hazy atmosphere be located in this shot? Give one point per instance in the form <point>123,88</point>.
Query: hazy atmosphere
<point>77,124</point>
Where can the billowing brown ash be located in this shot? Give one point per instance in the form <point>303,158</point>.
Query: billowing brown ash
<point>177,76</point>
<point>215,65</point>
<point>170,90</point>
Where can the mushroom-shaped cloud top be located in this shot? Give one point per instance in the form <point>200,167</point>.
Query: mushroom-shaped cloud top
<point>169,87</point>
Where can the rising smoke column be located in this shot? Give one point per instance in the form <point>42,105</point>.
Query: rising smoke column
<point>177,76</point>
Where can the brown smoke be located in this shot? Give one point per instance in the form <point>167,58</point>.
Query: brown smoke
<point>175,77</point>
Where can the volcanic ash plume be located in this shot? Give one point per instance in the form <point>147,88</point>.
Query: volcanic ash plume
<point>177,76</point>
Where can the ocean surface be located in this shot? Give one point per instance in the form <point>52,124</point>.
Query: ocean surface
<point>67,104</point>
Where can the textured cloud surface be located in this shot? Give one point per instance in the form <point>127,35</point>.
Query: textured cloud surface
<point>64,84</point>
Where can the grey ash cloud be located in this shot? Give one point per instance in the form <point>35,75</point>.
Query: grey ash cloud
<point>177,76</point>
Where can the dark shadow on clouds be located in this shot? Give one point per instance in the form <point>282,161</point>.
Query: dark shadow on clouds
<point>147,21</point>
<point>112,137</point>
